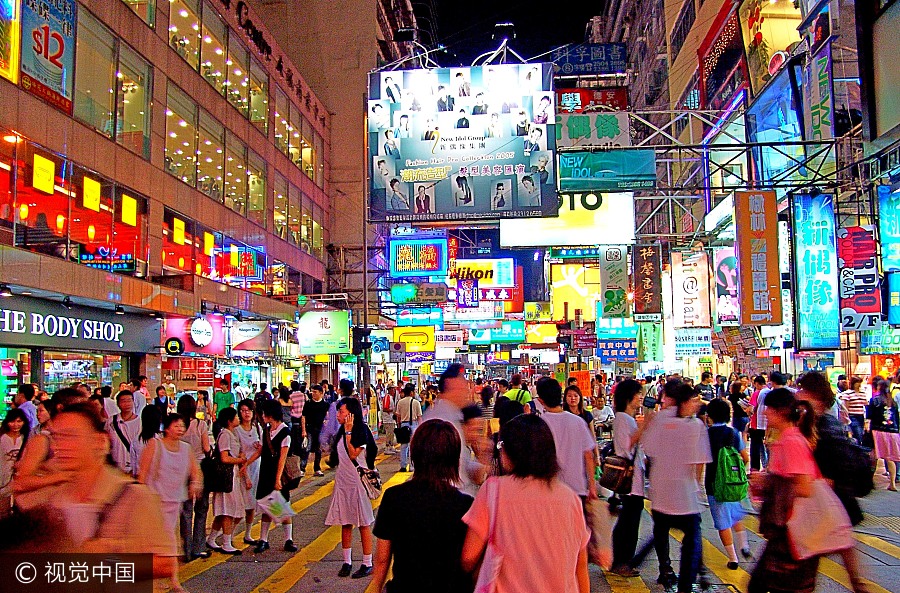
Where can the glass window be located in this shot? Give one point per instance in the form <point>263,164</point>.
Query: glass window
<point>237,79</point>
<point>295,199</point>
<point>280,214</point>
<point>282,114</point>
<point>307,150</point>
<point>184,30</point>
<point>212,50</point>
<point>130,231</point>
<point>236,175</point>
<point>206,245</point>
<point>210,156</point>
<point>306,229</point>
<point>318,236</point>
<point>42,203</point>
<point>94,80</point>
<point>276,278</point>
<point>178,244</point>
<point>7,159</point>
<point>146,9</point>
<point>133,106</point>
<point>241,265</point>
<point>259,96</point>
<point>256,189</point>
<point>181,135</point>
<point>295,125</point>
<point>318,160</point>
<point>91,216</point>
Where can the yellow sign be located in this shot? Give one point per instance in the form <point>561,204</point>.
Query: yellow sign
<point>91,197</point>
<point>178,231</point>
<point>540,333</point>
<point>417,339</point>
<point>208,244</point>
<point>575,286</point>
<point>426,174</point>
<point>129,210</point>
<point>44,174</point>
<point>9,43</point>
<point>322,358</point>
<point>490,273</point>
<point>537,311</point>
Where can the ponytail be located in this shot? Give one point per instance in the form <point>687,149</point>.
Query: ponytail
<point>804,417</point>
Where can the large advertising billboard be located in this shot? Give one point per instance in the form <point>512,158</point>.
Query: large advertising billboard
<point>575,287</point>
<point>48,51</point>
<point>9,40</point>
<point>609,170</point>
<point>859,284</point>
<point>462,143</point>
<point>690,289</point>
<point>584,218</point>
<point>324,332</point>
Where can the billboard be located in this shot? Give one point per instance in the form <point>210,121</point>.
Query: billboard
<point>583,218</point>
<point>620,350</point>
<point>578,100</point>
<point>647,283</point>
<point>614,280</point>
<point>596,129</point>
<point>609,329</point>
<point>888,227</point>
<point>490,273</point>
<point>381,344</point>
<point>462,143</point>
<point>817,311</point>
<point>420,316</point>
<point>449,339</point>
<point>575,286</point>
<point>409,258</point>
<point>509,332</point>
<point>756,244</point>
<point>417,339</point>
<point>691,341</point>
<point>610,170</point>
<point>690,289</point>
<point>728,309</point>
<point>590,58</point>
<point>858,279</point>
<point>251,336</point>
<point>540,333</point>
<point>9,40</point>
<point>885,340</point>
<point>48,56</point>
<point>324,332</point>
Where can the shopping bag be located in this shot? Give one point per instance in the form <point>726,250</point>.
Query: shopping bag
<point>818,524</point>
<point>600,524</point>
<point>275,506</point>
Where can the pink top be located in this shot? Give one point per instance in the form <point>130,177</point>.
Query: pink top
<point>791,455</point>
<point>754,399</point>
<point>532,515</point>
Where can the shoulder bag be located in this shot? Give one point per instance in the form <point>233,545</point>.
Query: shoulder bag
<point>371,479</point>
<point>217,476</point>
<point>292,471</point>
<point>120,433</point>
<point>403,433</point>
<point>818,524</point>
<point>493,558</point>
<point>618,473</point>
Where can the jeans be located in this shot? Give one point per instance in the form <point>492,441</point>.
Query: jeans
<point>759,457</point>
<point>314,448</point>
<point>691,549</point>
<point>404,448</point>
<point>194,534</point>
<point>625,533</point>
<point>857,426</point>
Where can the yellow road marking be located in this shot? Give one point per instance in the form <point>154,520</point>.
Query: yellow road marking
<point>879,544</point>
<point>624,585</point>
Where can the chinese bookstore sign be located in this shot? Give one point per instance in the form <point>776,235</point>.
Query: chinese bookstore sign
<point>647,283</point>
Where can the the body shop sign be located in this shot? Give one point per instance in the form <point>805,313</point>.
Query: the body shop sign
<point>33,322</point>
<point>48,51</point>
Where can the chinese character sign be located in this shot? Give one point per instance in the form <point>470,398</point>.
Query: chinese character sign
<point>593,129</point>
<point>650,342</point>
<point>647,283</point>
<point>889,227</point>
<point>693,342</point>
<point>578,100</point>
<point>817,310</point>
<point>725,275</point>
<point>617,350</point>
<point>590,58</point>
<point>417,257</point>
<point>454,144</point>
<point>613,281</point>
<point>467,294</point>
<point>756,244</point>
<point>690,289</point>
<point>858,285</point>
<point>324,332</point>
<point>48,51</point>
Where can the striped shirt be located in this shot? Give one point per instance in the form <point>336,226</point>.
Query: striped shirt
<point>855,401</point>
<point>298,400</point>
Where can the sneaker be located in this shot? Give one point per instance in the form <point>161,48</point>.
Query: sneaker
<point>732,565</point>
<point>290,546</point>
<point>261,547</point>
<point>625,571</point>
<point>319,474</point>
<point>363,571</point>
<point>345,570</point>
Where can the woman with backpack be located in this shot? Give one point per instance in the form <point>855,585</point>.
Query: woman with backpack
<point>726,481</point>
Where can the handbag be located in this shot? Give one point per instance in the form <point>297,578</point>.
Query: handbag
<point>403,433</point>
<point>292,470</point>
<point>618,473</point>
<point>370,478</point>
<point>818,524</point>
<point>493,558</point>
<point>217,476</point>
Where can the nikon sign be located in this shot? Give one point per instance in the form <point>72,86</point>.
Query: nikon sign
<point>583,218</point>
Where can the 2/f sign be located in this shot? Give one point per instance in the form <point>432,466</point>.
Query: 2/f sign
<point>49,44</point>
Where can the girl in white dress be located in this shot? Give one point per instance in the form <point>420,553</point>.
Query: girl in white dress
<point>227,506</point>
<point>13,435</point>
<point>250,435</point>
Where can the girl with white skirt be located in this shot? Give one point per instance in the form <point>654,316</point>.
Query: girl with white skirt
<point>227,506</point>
<point>250,435</point>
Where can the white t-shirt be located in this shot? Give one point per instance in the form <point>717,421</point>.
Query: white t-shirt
<point>131,429</point>
<point>761,422</point>
<point>624,426</point>
<point>572,438</point>
<point>675,445</point>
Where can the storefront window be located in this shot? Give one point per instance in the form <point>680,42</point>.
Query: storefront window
<point>130,232</point>
<point>133,105</point>
<point>207,244</point>
<point>42,203</point>
<point>318,236</point>
<point>181,135</point>
<point>61,369</point>
<point>238,75</point>
<point>146,9</point>
<point>259,96</point>
<point>280,215</point>
<point>294,137</point>
<point>184,30</point>
<point>178,243</point>
<point>236,175</point>
<point>256,189</point>
<point>91,215</point>
<point>318,161</point>
<point>282,113</point>
<point>94,81</point>
<point>212,50</point>
<point>210,156</point>
<point>295,200</point>
<point>306,227</point>
<point>7,158</point>
<point>307,150</point>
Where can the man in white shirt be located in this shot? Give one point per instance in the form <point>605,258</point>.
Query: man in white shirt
<point>123,430</point>
<point>141,393</point>
<point>575,445</point>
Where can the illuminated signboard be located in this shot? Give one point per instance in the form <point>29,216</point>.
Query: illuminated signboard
<point>509,332</point>
<point>462,143</point>
<point>418,257</point>
<point>490,273</point>
<point>609,170</point>
<point>9,40</point>
<point>417,339</point>
<point>324,332</point>
<point>575,286</point>
<point>583,218</point>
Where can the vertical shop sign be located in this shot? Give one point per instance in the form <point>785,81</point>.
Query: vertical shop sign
<point>690,289</point>
<point>649,342</point>
<point>48,50</point>
<point>893,298</point>
<point>727,305</point>
<point>467,294</point>
<point>614,281</point>
<point>9,40</point>
<point>756,213</point>
<point>889,228</point>
<point>858,289</point>
<point>817,310</point>
<point>819,112</point>
<point>648,283</point>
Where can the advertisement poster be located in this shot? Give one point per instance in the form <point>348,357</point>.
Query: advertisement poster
<point>725,273</point>
<point>48,51</point>
<point>693,342</point>
<point>650,342</point>
<point>756,244</point>
<point>893,280</point>
<point>324,332</point>
<point>889,228</point>
<point>251,336</point>
<point>617,350</point>
<point>690,289</point>
<point>421,316</point>
<point>885,340</point>
<point>9,40</point>
<point>541,333</point>
<point>414,257</point>
<point>610,329</point>
<point>459,144</point>
<point>858,279</point>
<point>817,309</point>
<point>610,170</point>
<point>647,283</point>
<point>614,281</point>
<point>818,93</point>
<point>509,332</point>
<point>575,287</point>
<point>578,100</point>
<point>594,129</point>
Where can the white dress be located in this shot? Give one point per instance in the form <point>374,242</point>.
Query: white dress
<point>350,505</point>
<point>248,440</point>
<point>9,452</point>
<point>169,475</point>
<point>229,504</point>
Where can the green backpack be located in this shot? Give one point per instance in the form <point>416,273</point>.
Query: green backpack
<point>731,477</point>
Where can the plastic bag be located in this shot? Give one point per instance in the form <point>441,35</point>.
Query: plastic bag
<point>329,428</point>
<point>275,506</point>
<point>600,544</point>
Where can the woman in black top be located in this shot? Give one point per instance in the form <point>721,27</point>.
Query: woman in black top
<point>425,514</point>
<point>574,403</point>
<point>275,447</point>
<point>739,416</point>
<point>884,419</point>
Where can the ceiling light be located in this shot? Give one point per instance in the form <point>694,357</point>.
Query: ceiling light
<point>5,291</point>
<point>120,310</point>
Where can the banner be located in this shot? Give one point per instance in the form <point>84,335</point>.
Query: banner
<point>858,279</point>
<point>817,313</point>
<point>693,342</point>
<point>756,244</point>
<point>48,56</point>
<point>650,342</point>
<point>609,170</point>
<point>885,340</point>
<point>617,350</point>
<point>582,218</point>
<point>509,332</point>
<point>609,130</point>
<point>323,332</point>
<point>818,112</point>
<point>893,308</point>
<point>647,283</point>
<point>614,282</point>
<point>690,289</point>
<point>454,144</point>
<point>421,316</point>
<point>889,228</point>
<point>726,276</point>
